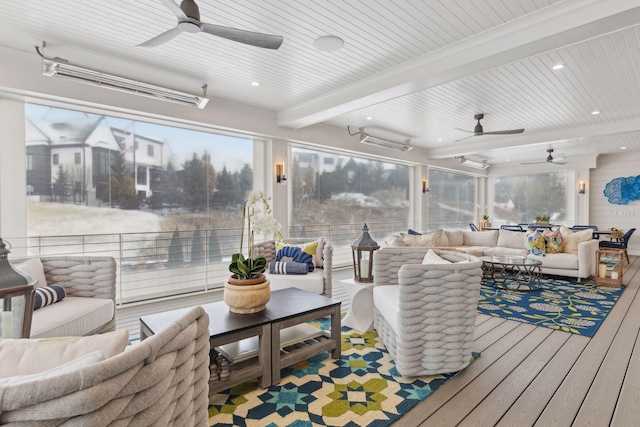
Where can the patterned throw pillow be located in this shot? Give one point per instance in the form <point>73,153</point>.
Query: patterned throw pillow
<point>534,243</point>
<point>295,254</point>
<point>553,242</point>
<point>312,248</point>
<point>47,295</point>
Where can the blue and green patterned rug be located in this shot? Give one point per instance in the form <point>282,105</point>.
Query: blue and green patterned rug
<point>579,308</point>
<point>362,388</point>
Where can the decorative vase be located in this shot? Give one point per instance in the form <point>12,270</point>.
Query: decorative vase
<point>246,296</point>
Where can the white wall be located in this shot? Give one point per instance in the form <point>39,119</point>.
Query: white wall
<point>604,214</point>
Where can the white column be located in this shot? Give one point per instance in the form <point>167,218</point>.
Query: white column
<point>13,187</point>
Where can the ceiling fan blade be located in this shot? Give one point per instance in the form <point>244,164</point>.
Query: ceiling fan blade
<point>559,159</point>
<point>533,163</point>
<point>162,38</point>
<point>505,132</point>
<point>558,162</point>
<point>251,38</point>
<point>471,136</point>
<point>174,8</point>
<point>464,130</point>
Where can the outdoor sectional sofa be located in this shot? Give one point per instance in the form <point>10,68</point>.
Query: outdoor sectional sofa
<point>511,243</point>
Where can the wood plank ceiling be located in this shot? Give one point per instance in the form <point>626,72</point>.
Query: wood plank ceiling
<point>381,36</point>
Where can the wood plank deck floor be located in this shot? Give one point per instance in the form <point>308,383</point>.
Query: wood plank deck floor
<point>533,376</point>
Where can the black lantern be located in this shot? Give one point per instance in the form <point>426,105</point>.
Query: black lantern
<point>362,250</point>
<point>14,284</point>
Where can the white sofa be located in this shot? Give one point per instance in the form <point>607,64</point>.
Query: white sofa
<point>318,281</point>
<point>506,242</point>
<point>90,286</point>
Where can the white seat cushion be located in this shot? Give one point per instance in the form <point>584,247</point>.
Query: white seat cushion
<point>387,300</point>
<point>561,261</point>
<point>73,316</point>
<point>311,282</point>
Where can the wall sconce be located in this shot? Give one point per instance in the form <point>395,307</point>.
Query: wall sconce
<point>582,188</point>
<point>425,189</point>
<point>280,176</point>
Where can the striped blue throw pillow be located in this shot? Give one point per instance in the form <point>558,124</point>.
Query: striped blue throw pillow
<point>47,295</point>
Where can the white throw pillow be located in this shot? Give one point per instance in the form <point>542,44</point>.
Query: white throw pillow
<point>31,356</point>
<point>455,237</point>
<point>571,239</point>
<point>432,239</point>
<point>433,258</point>
<point>34,268</point>
<point>510,239</point>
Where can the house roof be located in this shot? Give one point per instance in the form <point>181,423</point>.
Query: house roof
<point>419,69</point>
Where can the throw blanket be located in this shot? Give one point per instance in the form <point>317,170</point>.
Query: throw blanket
<point>279,267</point>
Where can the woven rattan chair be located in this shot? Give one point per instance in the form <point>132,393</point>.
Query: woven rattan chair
<point>267,249</point>
<point>162,381</point>
<point>431,330</point>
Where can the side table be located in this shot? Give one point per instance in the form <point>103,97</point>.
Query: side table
<point>360,314</point>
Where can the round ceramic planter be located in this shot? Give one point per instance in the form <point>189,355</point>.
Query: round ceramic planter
<point>247,296</point>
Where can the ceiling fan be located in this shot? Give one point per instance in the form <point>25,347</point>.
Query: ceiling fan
<point>479,131</point>
<point>560,160</point>
<point>188,15</point>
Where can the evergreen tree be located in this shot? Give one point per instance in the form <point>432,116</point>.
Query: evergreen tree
<point>127,195</point>
<point>215,254</point>
<point>297,183</point>
<point>61,184</point>
<point>226,188</point>
<point>310,182</point>
<point>197,248</point>
<point>176,256</point>
<point>245,182</point>
<point>198,182</point>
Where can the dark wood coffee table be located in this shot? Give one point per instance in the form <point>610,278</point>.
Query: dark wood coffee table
<point>286,309</point>
<point>226,327</point>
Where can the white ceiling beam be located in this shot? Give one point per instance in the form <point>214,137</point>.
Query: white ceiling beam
<point>548,29</point>
<point>483,144</point>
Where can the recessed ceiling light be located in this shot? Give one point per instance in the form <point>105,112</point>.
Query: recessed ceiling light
<point>623,148</point>
<point>328,43</point>
<point>439,139</point>
<point>255,83</point>
<point>369,118</point>
<point>595,113</point>
<point>558,67</point>
<point>506,160</point>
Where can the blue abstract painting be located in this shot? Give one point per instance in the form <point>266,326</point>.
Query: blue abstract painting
<point>621,191</point>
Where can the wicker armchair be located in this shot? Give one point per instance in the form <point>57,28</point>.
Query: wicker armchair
<point>161,381</point>
<point>425,313</point>
<point>267,249</point>
<point>81,277</point>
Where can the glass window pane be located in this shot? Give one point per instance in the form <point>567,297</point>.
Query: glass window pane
<point>334,194</point>
<point>520,198</point>
<point>451,201</point>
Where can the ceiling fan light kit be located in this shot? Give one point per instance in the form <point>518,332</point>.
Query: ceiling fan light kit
<point>61,69</point>
<point>473,163</point>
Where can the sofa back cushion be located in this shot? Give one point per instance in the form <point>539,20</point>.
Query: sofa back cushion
<point>455,237</point>
<point>481,238</point>
<point>510,239</point>
<point>571,239</point>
